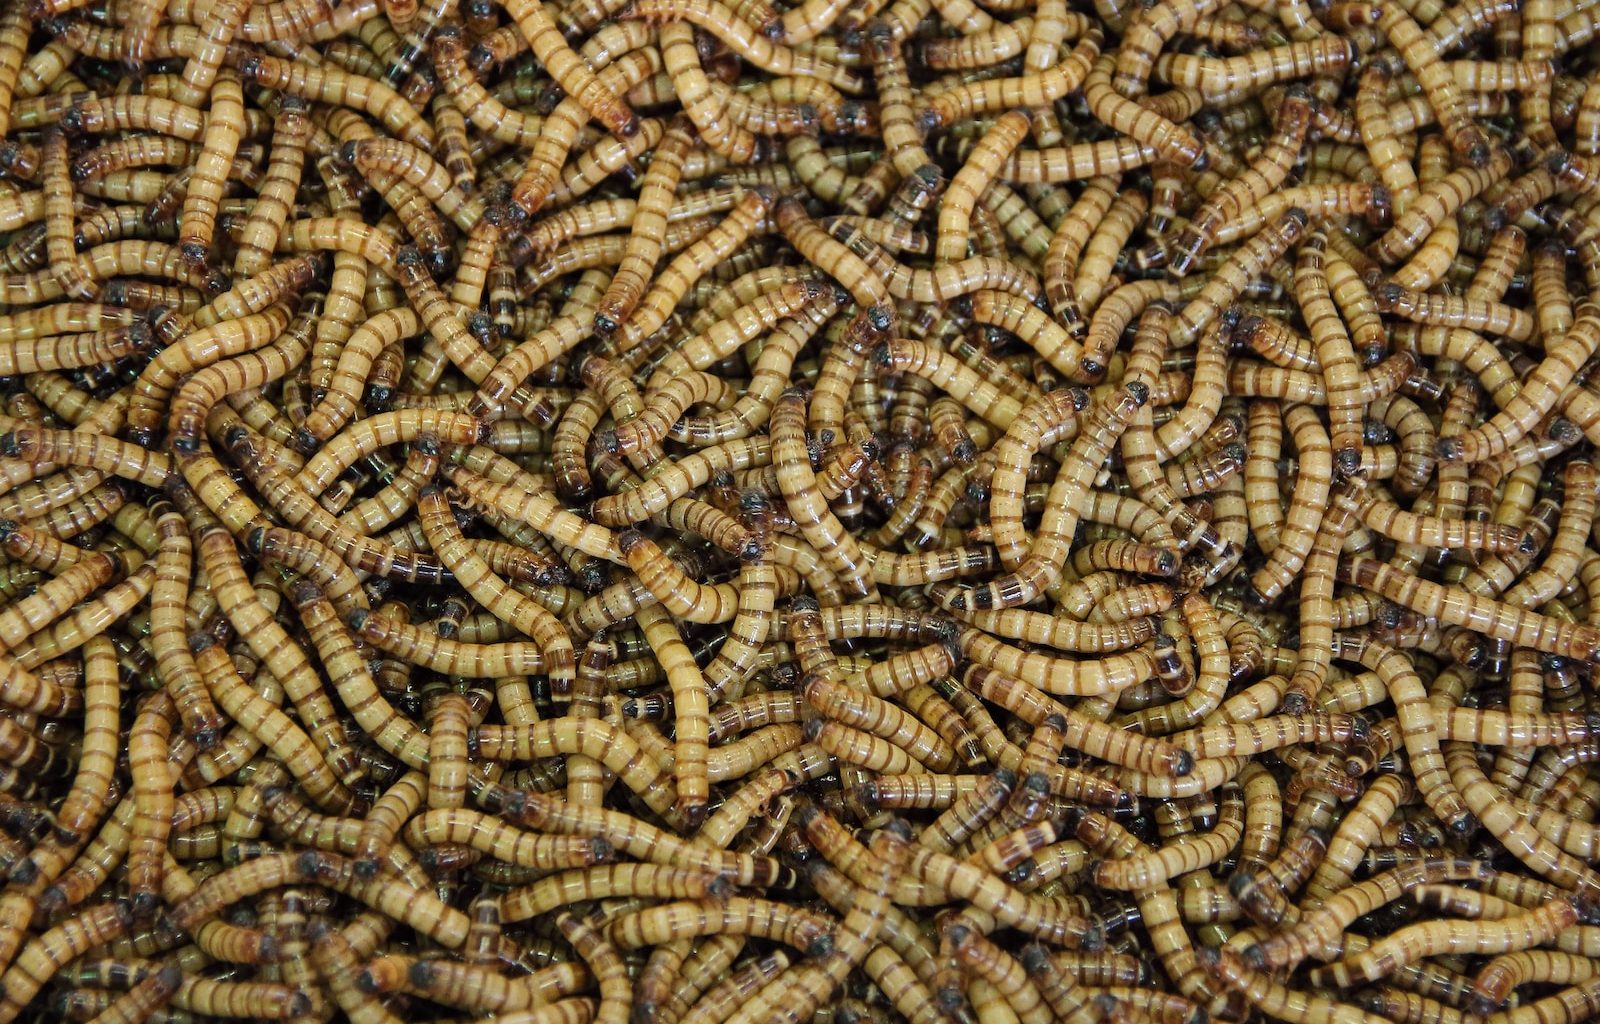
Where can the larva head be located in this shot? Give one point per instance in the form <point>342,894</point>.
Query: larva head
<point>900,830</point>
<point>1380,205</point>
<point>881,45</point>
<point>1210,958</point>
<point>754,549</point>
<point>75,122</point>
<point>878,318</point>
<point>237,440</point>
<point>1564,432</point>
<point>1036,960</point>
<point>957,932</point>
<point>408,260</point>
<point>1477,152</point>
<point>318,930</point>
<point>510,803</point>
<point>141,906</point>
<point>25,871</point>
<point>481,326</point>
<point>1092,938</point>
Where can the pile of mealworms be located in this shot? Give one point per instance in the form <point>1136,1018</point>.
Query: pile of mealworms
<point>700,511</point>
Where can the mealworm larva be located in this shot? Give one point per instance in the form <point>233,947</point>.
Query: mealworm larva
<point>1050,544</point>
<point>272,644</point>
<point>1394,951</point>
